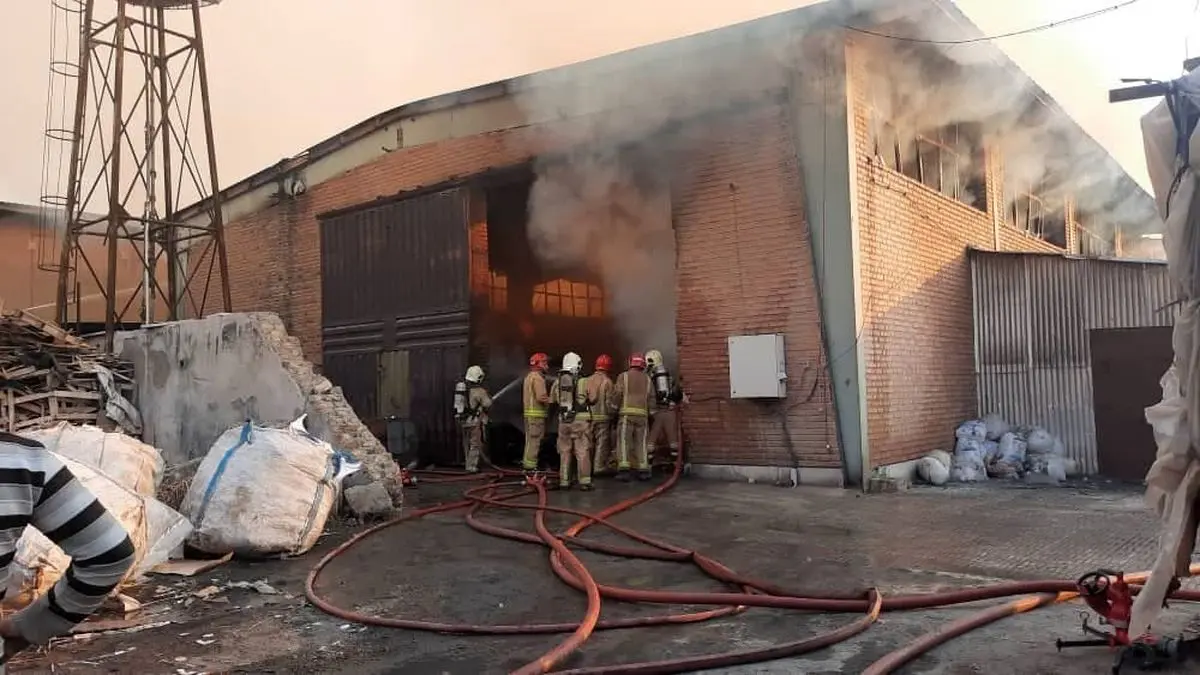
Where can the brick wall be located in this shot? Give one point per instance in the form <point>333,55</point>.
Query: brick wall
<point>275,256</point>
<point>916,295</point>
<point>745,267</point>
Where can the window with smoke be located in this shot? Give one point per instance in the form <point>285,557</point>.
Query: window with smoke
<point>1039,212</point>
<point>563,297</point>
<point>909,137</point>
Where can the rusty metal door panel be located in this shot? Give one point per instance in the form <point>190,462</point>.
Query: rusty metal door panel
<point>432,372</point>
<point>405,258</point>
<point>394,394</point>
<point>395,284</point>
<point>1127,364</point>
<point>355,373</point>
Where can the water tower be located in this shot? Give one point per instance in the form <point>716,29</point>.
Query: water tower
<point>129,142</point>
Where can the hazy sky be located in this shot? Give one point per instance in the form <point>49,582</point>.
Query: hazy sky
<point>286,74</point>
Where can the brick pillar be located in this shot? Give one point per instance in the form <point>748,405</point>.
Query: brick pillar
<point>994,175</point>
<point>1072,226</point>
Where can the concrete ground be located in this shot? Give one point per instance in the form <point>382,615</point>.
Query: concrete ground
<point>813,539</point>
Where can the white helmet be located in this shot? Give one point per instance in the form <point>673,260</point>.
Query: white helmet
<point>474,375</point>
<point>653,358</point>
<point>572,363</point>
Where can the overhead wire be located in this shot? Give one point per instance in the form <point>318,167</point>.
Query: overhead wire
<point>988,38</point>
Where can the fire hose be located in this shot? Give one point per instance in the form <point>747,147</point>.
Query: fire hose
<point>502,488</point>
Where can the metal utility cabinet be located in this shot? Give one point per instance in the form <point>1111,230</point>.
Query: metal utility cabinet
<point>756,366</point>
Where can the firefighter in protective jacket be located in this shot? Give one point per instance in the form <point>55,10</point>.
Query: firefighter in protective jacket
<point>633,396</point>
<point>474,417</point>
<point>574,423</point>
<point>599,398</point>
<point>668,397</point>
<point>536,402</point>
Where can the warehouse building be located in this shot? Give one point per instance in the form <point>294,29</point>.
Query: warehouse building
<point>30,242</point>
<point>783,207</point>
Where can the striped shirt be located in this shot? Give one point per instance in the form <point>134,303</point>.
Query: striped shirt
<point>37,489</point>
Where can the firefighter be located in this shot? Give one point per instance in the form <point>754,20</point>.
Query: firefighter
<point>474,416</point>
<point>633,396</point>
<point>668,396</point>
<point>570,399</point>
<point>535,402</point>
<point>599,394</point>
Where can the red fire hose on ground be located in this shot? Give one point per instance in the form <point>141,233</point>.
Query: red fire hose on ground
<point>503,487</point>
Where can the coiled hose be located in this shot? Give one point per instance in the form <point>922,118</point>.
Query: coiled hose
<point>502,487</point>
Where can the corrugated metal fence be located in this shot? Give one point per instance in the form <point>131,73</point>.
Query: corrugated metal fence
<point>1032,314</point>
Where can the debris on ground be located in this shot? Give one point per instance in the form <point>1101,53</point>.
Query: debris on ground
<point>189,568</point>
<point>369,501</point>
<point>48,376</point>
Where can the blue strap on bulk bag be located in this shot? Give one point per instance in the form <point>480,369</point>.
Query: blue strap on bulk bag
<point>211,488</point>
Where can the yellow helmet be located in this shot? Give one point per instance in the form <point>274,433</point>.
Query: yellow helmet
<point>653,358</point>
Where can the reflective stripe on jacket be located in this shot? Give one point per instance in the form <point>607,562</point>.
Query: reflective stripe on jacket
<point>535,400</point>
<point>633,393</point>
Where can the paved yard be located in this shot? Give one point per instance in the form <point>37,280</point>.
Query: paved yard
<point>923,540</point>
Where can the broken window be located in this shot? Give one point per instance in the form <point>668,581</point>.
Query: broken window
<point>1092,243</point>
<point>949,160</point>
<point>563,297</point>
<point>1039,216</point>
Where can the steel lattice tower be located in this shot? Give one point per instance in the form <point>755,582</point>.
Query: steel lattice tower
<point>137,72</point>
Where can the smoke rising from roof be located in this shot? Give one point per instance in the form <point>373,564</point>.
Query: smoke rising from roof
<point>603,206</point>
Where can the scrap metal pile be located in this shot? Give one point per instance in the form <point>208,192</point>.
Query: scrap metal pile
<point>49,376</point>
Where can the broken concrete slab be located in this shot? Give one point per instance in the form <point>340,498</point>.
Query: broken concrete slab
<point>369,501</point>
<point>200,377</point>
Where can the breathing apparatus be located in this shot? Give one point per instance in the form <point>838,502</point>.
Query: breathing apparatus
<point>659,376</point>
<point>474,376</point>
<point>568,381</point>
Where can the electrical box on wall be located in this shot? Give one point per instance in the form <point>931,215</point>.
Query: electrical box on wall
<point>756,366</point>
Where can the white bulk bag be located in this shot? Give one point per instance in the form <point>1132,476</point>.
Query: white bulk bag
<point>153,527</point>
<point>262,491</point>
<point>132,464</point>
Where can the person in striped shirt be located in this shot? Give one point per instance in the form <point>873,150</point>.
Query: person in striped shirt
<point>37,489</point>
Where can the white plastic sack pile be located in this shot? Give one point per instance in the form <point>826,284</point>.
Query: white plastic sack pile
<point>154,528</point>
<point>134,465</point>
<point>970,452</point>
<point>262,491</point>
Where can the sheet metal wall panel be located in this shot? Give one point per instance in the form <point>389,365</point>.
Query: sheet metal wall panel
<point>395,278</point>
<point>400,259</point>
<point>1032,316</point>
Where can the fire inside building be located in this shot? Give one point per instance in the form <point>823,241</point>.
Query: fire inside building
<point>783,208</point>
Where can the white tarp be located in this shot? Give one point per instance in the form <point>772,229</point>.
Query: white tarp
<point>1173,482</point>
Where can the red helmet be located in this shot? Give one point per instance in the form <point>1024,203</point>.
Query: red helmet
<point>636,360</point>
<point>604,362</point>
<point>539,360</point>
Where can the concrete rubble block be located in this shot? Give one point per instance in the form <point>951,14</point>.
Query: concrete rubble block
<point>200,377</point>
<point>369,501</point>
<point>881,484</point>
